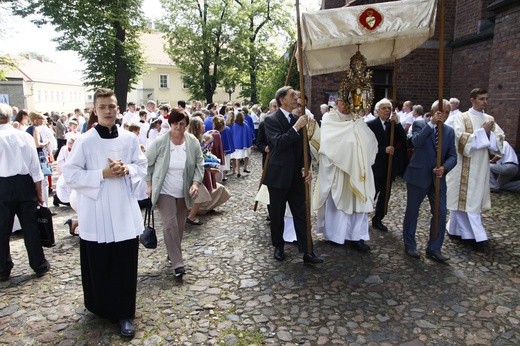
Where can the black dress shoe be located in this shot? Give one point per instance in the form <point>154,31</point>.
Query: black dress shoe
<point>194,222</point>
<point>360,246</point>
<point>179,272</point>
<point>481,246</point>
<point>127,327</point>
<point>5,275</point>
<point>311,258</point>
<point>437,256</point>
<point>44,268</point>
<point>279,254</point>
<point>454,237</point>
<point>412,253</point>
<point>379,226</point>
<point>55,201</point>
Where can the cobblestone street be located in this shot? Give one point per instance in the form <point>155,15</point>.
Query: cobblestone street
<point>235,293</point>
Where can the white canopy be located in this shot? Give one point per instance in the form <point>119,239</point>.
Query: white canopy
<point>330,37</point>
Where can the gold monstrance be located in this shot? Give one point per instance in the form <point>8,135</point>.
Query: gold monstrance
<point>356,88</point>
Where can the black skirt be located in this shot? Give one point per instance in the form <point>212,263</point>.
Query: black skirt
<point>109,277</point>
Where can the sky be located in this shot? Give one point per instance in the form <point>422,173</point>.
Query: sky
<point>20,35</point>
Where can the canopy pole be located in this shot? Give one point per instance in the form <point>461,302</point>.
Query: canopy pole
<point>291,63</point>
<point>392,133</point>
<point>305,136</point>
<point>439,125</point>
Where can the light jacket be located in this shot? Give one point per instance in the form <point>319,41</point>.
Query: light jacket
<point>158,155</point>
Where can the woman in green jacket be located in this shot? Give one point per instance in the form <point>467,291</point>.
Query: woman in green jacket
<point>175,171</point>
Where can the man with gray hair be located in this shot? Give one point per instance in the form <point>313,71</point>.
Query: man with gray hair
<point>20,194</point>
<point>284,176</point>
<point>421,178</point>
<point>324,109</point>
<point>454,112</point>
<point>381,128</point>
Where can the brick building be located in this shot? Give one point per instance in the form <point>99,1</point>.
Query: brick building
<point>482,49</point>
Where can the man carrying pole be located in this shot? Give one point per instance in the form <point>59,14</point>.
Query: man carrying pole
<point>421,179</point>
<point>381,127</point>
<point>284,175</point>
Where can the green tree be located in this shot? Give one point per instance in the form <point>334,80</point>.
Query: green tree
<point>6,64</point>
<point>225,42</point>
<point>275,77</point>
<point>261,20</point>
<point>197,32</point>
<point>103,33</point>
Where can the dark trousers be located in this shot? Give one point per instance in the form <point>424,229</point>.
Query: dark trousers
<point>414,197</point>
<point>380,185</point>
<point>295,196</point>
<point>18,196</point>
<point>61,143</point>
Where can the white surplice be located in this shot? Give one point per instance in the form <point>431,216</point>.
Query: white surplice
<point>345,189</point>
<point>107,208</point>
<point>468,183</point>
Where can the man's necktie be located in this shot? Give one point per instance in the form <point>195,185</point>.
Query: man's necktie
<point>292,119</point>
<point>436,137</point>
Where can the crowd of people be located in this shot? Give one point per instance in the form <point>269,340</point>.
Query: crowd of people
<point>177,159</point>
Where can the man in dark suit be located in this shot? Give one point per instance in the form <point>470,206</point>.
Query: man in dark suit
<point>381,128</point>
<point>284,174</point>
<point>420,177</point>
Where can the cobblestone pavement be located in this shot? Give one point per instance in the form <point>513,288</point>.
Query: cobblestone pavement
<point>235,293</point>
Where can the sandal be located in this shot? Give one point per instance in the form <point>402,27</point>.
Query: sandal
<point>195,222</point>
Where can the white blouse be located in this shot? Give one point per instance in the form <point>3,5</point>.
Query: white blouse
<point>173,184</point>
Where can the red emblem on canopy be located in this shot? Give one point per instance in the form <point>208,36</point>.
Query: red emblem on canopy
<point>370,19</point>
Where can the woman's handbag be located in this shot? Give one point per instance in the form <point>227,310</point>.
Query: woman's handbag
<point>46,168</point>
<point>149,238</point>
<point>44,164</point>
<point>45,227</point>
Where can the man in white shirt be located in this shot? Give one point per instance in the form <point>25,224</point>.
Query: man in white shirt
<point>406,118</point>
<point>153,113</point>
<point>454,107</point>
<point>131,116</point>
<point>20,193</point>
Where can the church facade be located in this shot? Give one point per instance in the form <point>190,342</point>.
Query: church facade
<point>482,49</point>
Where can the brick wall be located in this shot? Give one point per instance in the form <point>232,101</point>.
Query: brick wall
<point>328,4</point>
<point>470,69</point>
<point>468,13</point>
<point>504,79</point>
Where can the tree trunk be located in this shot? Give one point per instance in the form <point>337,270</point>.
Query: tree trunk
<point>252,77</point>
<point>122,75</point>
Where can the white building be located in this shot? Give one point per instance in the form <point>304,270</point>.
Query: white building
<point>162,80</point>
<point>39,85</point>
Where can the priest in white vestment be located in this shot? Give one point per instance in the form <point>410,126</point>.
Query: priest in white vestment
<point>105,166</point>
<point>476,137</point>
<point>345,189</point>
